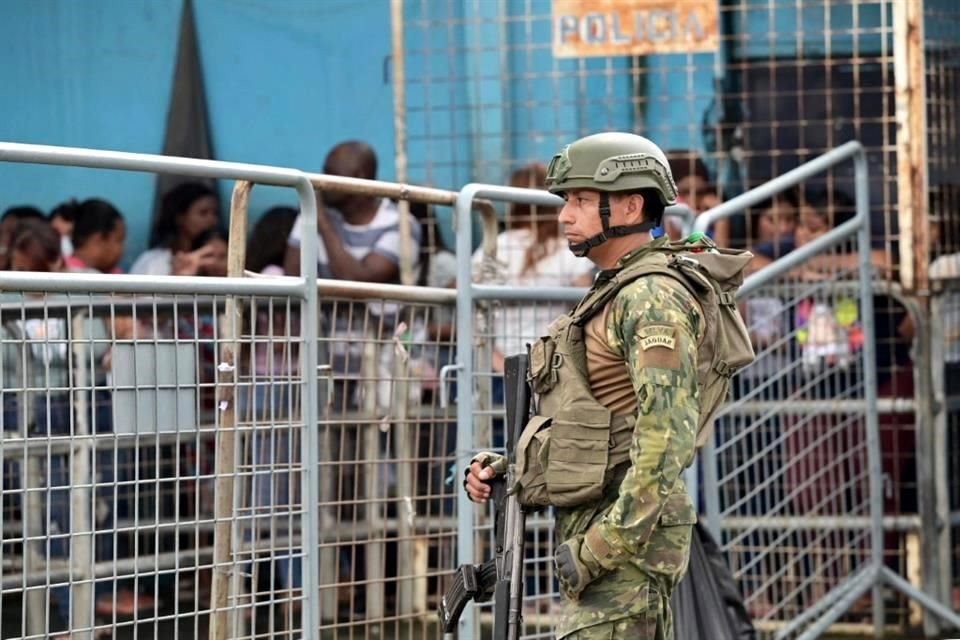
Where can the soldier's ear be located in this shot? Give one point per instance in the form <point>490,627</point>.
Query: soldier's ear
<point>634,208</point>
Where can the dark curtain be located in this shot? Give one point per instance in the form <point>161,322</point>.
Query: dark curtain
<point>187,131</point>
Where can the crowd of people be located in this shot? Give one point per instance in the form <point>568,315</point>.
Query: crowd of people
<point>359,239</point>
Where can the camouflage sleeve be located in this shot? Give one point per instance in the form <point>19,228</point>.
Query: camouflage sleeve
<point>654,324</point>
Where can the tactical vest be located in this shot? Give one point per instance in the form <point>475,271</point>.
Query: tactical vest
<point>570,451</point>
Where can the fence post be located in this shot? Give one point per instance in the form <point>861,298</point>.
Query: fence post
<point>466,390</point>
<point>411,550</point>
<point>225,507</point>
<point>82,488</point>
<point>400,136</point>
<point>370,502</point>
<point>942,553</point>
<point>926,473</point>
<point>909,76</point>
<point>312,612</point>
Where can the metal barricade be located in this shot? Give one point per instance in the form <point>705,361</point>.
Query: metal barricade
<point>135,424</point>
<point>277,462</point>
<point>386,458</point>
<point>793,486</point>
<point>277,457</point>
<point>945,374</point>
<point>115,417</point>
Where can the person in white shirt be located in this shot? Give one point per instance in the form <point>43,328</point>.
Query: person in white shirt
<point>359,239</point>
<point>359,234</point>
<point>531,253</point>
<point>187,211</point>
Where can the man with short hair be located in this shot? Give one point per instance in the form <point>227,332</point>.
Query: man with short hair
<point>359,239</point>
<point>619,398</point>
<point>359,234</point>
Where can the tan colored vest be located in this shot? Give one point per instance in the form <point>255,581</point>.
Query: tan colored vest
<point>573,446</point>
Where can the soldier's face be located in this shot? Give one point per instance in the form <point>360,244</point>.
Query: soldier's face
<point>580,215</point>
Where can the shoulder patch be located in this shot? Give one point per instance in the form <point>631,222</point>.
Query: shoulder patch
<point>657,335</point>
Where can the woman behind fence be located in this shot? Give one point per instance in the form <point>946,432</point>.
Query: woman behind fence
<point>530,253</point>
<point>186,211</point>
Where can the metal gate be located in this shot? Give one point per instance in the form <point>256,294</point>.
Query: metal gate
<point>491,85</point>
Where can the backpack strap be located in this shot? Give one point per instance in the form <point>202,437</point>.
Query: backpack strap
<point>684,269</point>
<point>608,286</point>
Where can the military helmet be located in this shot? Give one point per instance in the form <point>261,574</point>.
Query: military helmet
<point>612,162</point>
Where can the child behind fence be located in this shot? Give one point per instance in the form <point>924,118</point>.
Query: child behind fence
<point>52,402</point>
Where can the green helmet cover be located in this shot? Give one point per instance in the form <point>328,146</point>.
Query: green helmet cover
<point>612,162</point>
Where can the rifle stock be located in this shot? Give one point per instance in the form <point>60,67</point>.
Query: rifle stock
<point>500,577</point>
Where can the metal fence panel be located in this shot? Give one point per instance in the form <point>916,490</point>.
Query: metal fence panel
<point>945,314</point>
<point>786,81</point>
<point>113,413</point>
<point>388,488</point>
<point>111,476</point>
<point>791,452</point>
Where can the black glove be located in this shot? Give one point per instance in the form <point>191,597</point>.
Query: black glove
<point>576,567</point>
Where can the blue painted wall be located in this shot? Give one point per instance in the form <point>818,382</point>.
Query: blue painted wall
<point>285,81</point>
<point>85,74</point>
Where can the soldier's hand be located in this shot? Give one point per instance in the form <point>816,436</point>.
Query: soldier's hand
<point>483,468</point>
<point>476,480</point>
<point>576,567</point>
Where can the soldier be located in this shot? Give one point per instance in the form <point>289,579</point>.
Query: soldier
<point>620,388</point>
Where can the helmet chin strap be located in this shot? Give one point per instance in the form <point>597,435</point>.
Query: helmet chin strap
<point>581,249</point>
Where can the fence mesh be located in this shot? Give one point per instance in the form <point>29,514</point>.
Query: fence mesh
<point>387,450</point>
<point>115,424</point>
<point>941,25</point>
<point>110,433</point>
<point>788,81</point>
<point>791,446</point>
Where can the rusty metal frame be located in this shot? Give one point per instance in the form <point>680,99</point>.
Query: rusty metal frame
<point>911,115</point>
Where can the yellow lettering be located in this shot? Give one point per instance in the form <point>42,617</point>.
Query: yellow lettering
<point>658,340</point>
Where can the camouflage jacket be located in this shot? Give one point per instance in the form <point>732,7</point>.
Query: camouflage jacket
<point>628,529</point>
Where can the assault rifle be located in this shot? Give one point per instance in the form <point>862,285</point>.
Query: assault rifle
<point>501,577</point>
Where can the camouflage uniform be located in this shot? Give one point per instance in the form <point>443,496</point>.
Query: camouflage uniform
<point>623,543</point>
<point>640,531</point>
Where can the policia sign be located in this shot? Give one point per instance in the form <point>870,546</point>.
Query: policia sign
<point>584,28</point>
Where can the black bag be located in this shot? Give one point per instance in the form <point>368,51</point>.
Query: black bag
<point>707,604</point>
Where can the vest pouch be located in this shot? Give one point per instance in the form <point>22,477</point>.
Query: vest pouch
<point>532,450</point>
<point>578,455</point>
<point>544,361</point>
